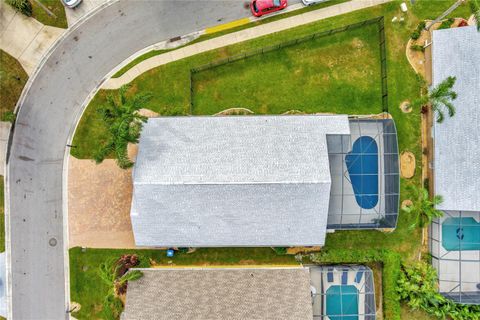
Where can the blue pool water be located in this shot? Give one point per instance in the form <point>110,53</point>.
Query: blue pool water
<point>362,166</point>
<point>461,233</point>
<point>342,303</point>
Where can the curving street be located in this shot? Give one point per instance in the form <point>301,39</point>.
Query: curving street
<point>38,282</point>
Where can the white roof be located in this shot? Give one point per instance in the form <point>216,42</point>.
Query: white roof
<point>456,52</point>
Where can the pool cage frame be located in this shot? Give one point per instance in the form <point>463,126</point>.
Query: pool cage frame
<point>466,262</point>
<point>366,291</point>
<point>388,172</point>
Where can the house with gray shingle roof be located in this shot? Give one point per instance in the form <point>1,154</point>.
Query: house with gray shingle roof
<point>219,294</point>
<point>455,238</point>
<point>262,180</point>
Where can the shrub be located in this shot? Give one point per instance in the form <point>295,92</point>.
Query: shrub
<point>415,35</point>
<point>280,250</point>
<point>23,6</point>
<point>418,31</point>
<point>446,24</point>
<point>417,286</point>
<point>417,47</point>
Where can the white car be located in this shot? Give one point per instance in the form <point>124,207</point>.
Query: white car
<point>312,2</point>
<point>71,3</point>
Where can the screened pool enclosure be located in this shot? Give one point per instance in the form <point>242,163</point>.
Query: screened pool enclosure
<point>343,292</point>
<point>364,169</point>
<point>455,249</point>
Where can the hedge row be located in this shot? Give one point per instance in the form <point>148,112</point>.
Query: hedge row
<point>391,262</point>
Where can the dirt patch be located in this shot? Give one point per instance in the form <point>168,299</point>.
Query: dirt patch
<point>406,203</point>
<point>234,112</point>
<point>357,43</point>
<point>296,250</point>
<point>148,113</point>
<point>407,164</point>
<point>247,262</point>
<point>99,198</point>
<point>406,107</point>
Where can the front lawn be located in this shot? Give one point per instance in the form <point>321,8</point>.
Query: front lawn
<point>58,19</point>
<point>12,81</point>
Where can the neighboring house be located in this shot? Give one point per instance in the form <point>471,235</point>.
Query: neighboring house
<point>455,238</point>
<point>219,294</point>
<point>262,180</point>
<point>297,293</point>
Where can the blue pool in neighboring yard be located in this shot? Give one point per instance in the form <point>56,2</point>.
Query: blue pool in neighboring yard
<point>342,303</point>
<point>362,166</point>
<point>461,233</point>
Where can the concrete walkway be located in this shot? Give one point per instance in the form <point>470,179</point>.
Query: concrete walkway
<point>26,39</point>
<point>236,37</point>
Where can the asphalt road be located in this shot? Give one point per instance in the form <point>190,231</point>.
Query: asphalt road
<point>49,113</point>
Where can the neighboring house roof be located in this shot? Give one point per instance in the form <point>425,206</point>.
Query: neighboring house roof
<point>456,52</point>
<point>219,294</point>
<point>233,181</point>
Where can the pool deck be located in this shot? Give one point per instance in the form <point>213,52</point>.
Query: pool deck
<point>344,201</point>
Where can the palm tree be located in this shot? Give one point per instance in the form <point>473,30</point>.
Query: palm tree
<point>124,124</point>
<point>475,8</point>
<point>440,97</point>
<point>423,207</point>
<point>109,272</point>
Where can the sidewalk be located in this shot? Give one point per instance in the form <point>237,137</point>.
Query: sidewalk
<point>26,39</point>
<point>240,36</point>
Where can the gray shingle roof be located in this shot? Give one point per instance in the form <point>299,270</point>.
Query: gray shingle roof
<point>233,181</point>
<point>219,294</point>
<point>456,52</point>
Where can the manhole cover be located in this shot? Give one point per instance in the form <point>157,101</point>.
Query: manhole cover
<point>52,242</point>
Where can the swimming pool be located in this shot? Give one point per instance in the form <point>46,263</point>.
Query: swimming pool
<point>342,303</point>
<point>362,166</point>
<point>461,233</point>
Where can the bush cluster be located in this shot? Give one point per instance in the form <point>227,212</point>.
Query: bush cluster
<point>417,47</point>
<point>446,24</point>
<point>418,31</point>
<point>417,286</point>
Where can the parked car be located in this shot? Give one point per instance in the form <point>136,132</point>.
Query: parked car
<point>261,7</point>
<point>312,2</point>
<point>71,3</point>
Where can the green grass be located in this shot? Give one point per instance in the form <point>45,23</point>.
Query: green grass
<point>88,289</point>
<point>338,73</point>
<point>12,81</point>
<point>169,85</point>
<point>220,33</point>
<point>56,7</point>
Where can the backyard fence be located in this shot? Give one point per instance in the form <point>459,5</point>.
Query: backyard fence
<point>379,21</point>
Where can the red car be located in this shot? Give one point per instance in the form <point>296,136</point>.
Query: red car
<point>261,7</point>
